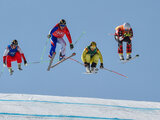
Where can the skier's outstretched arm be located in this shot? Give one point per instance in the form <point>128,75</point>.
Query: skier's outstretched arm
<point>68,35</point>
<point>22,54</point>
<point>52,31</point>
<point>69,38</point>
<point>84,55</point>
<point>101,58</point>
<point>5,56</point>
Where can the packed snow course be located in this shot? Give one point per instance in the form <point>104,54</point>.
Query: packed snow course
<point>40,107</point>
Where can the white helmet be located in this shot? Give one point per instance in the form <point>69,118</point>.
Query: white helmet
<point>126,26</point>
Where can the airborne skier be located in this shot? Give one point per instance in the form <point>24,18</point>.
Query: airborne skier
<point>91,56</point>
<point>124,33</point>
<point>13,53</point>
<point>56,34</point>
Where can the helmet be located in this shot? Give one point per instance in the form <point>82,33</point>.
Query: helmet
<point>15,42</point>
<point>62,22</point>
<point>126,26</point>
<point>93,43</point>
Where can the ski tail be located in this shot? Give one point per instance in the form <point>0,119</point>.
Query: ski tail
<point>50,63</point>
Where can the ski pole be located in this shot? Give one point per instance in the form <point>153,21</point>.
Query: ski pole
<point>44,49</point>
<point>110,34</point>
<point>2,72</point>
<point>115,72</point>
<point>79,37</point>
<point>76,61</point>
<point>103,68</point>
<point>36,62</point>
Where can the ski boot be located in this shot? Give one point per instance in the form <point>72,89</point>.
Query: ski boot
<point>88,69</point>
<point>87,66</point>
<point>10,70</point>
<point>128,56</point>
<point>121,57</point>
<point>19,66</point>
<point>93,68</point>
<point>61,56</point>
<point>50,56</point>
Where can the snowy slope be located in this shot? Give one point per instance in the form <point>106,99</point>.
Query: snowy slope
<point>38,107</point>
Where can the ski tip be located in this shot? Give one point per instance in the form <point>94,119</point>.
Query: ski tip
<point>73,53</point>
<point>137,55</point>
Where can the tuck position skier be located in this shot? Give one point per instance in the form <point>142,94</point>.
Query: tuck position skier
<point>124,33</point>
<point>13,53</point>
<point>91,56</point>
<point>56,36</point>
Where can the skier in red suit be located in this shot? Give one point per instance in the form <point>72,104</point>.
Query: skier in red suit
<point>13,53</point>
<point>56,36</point>
<point>124,33</point>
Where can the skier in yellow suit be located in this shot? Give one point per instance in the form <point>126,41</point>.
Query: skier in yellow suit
<point>91,56</point>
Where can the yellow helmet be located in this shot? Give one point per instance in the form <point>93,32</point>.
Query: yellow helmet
<point>93,43</point>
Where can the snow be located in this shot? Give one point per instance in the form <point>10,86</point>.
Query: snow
<point>42,107</point>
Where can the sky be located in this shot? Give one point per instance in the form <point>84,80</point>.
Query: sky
<point>29,22</point>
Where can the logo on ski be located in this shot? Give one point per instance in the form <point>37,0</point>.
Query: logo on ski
<point>52,66</point>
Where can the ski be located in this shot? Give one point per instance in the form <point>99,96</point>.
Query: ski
<point>95,72</point>
<point>73,54</point>
<point>51,60</point>
<point>125,61</point>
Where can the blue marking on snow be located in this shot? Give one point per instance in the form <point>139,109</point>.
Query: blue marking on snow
<point>88,104</point>
<point>63,116</point>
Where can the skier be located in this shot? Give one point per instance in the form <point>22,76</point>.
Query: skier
<point>124,33</point>
<point>56,34</point>
<point>91,56</point>
<point>13,53</point>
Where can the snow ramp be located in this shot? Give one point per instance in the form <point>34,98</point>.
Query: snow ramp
<point>42,107</point>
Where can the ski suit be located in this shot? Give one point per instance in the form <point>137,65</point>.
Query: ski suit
<point>90,56</point>
<point>57,36</point>
<point>11,55</point>
<point>123,36</point>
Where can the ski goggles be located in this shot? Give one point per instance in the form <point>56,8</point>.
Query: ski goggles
<point>62,25</point>
<point>126,29</point>
<point>93,47</point>
<point>14,45</point>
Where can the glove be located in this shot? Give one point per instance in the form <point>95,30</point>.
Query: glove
<point>85,64</point>
<point>120,33</point>
<point>25,63</point>
<point>121,38</point>
<point>49,36</point>
<point>71,46</point>
<point>4,64</point>
<point>101,65</point>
